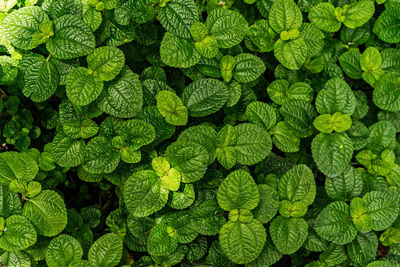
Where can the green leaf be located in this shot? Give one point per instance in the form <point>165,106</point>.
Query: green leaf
<point>10,203</point>
<point>106,62</point>
<point>280,92</point>
<point>382,209</point>
<point>247,68</point>
<point>178,52</point>
<point>238,191</point>
<point>171,107</point>
<point>346,186</point>
<point>137,10</point>
<point>207,217</point>
<point>350,63</point>
<point>204,97</point>
<point>332,152</point>
<point>359,215</point>
<point>73,38</point>
<point>82,87</point>
<point>284,139</point>
<point>268,256</point>
<point>100,156</point>
<point>262,35</point>
<point>18,234</point>
<point>17,166</point>
<point>297,185</point>
<point>288,235</point>
<point>333,223</point>
<point>177,16</point>
<point>363,249</point>
<point>63,251</point>
<point>47,212</point>
<point>208,47</point>
<point>144,194</point>
<point>285,15</point>
<point>162,240</point>
<point>198,31</point>
<point>21,25</point>
<point>58,8</point>
<point>386,26</point>
<point>40,77</point>
<point>268,205</point>
<point>18,258</point>
<point>292,53</point>
<point>242,242</point>
<point>358,13</point>
<point>226,153</point>
<point>382,135</point>
<point>189,158</point>
<point>299,116</point>
<point>106,251</point>
<point>227,26</point>
<point>252,144</point>
<point>323,16</point>
<point>313,37</point>
<point>123,97</point>
<point>336,96</point>
<point>261,114</point>
<point>386,95</point>
<point>227,65</point>
<point>185,229</point>
<point>66,151</point>
<point>93,18</point>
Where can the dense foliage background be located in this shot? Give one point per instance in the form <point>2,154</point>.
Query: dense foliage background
<point>199,133</point>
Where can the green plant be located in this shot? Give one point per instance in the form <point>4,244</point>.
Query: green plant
<point>199,133</point>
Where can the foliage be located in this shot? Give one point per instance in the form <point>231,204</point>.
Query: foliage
<point>199,133</point>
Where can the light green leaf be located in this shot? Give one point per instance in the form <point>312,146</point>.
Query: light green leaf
<point>21,25</point>
<point>93,18</point>
<point>198,31</point>
<point>323,16</point>
<point>252,145</point>
<point>247,68</point>
<point>285,15</point>
<point>123,97</point>
<point>346,186</point>
<point>178,52</point>
<point>288,235</point>
<point>63,251</point>
<point>47,212</point>
<point>100,156</point>
<point>177,16</point>
<point>238,191</point>
<point>18,234</point>
<point>227,65</point>
<point>66,151</point>
<point>333,223</point>
<point>171,107</point>
<point>338,122</point>
<point>227,26</point>
<point>297,185</point>
<point>40,78</point>
<point>336,96</point>
<point>17,166</point>
<point>208,47</point>
<point>292,53</point>
<point>242,242</point>
<point>204,97</point>
<point>18,258</point>
<point>82,87</point>
<point>332,152</point>
<point>73,38</point>
<point>359,215</point>
<point>358,13</point>
<point>106,251</point>
<point>284,139</point>
<point>144,194</point>
<point>262,35</point>
<point>106,62</point>
<point>261,114</point>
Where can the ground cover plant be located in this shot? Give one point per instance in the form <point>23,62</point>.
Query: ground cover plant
<point>199,133</point>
